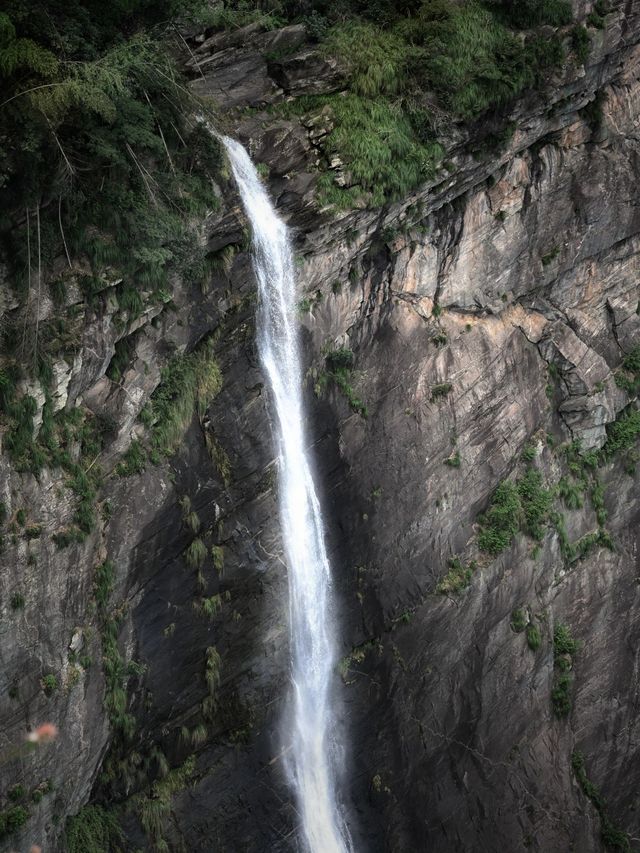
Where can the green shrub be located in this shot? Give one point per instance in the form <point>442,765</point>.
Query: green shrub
<point>376,58</point>
<point>380,149</point>
<point>213,665</point>
<point>441,390</point>
<point>49,684</point>
<point>133,462</point>
<point>563,642</point>
<point>470,58</point>
<point>339,364</point>
<point>612,837</point>
<point>519,621</point>
<point>571,492</point>
<point>17,601</point>
<point>188,384</point>
<point>196,553</point>
<point>16,792</point>
<point>457,578</point>
<point>532,13</point>
<point>93,830</point>
<point>501,522</point>
<point>12,820</point>
<point>561,695</point>
<point>581,43</point>
<point>453,461</point>
<point>622,433</point>
<point>533,637</point>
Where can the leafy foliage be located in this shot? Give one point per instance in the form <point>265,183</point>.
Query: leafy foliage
<point>466,54</point>
<point>612,837</point>
<point>523,505</point>
<point>188,384</point>
<point>457,578</point>
<point>93,830</point>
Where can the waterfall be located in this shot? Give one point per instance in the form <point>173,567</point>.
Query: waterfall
<point>311,757</point>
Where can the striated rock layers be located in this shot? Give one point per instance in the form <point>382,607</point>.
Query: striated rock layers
<point>489,315</point>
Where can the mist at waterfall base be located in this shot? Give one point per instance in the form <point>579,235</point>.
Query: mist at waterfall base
<point>312,755</point>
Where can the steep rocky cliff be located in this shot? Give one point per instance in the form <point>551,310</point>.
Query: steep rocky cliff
<point>483,330</point>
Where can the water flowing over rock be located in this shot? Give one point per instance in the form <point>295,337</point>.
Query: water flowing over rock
<point>311,755</point>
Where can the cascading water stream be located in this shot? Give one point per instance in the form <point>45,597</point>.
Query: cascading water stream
<point>312,756</point>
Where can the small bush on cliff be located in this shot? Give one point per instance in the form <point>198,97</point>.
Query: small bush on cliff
<point>501,522</point>
<point>339,367</point>
<point>93,830</point>
<point>457,578</point>
<point>188,384</point>
<point>521,505</point>
<point>612,837</point>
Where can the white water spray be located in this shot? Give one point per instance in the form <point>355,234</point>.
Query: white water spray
<point>311,758</point>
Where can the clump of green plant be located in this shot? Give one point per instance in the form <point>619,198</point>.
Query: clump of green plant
<point>550,256</point>
<point>93,830</point>
<point>501,522</point>
<point>17,601</point>
<point>213,665</point>
<point>622,433</point>
<point>196,553</point>
<point>211,606</point>
<point>533,637</point>
<point>457,578</point>
<point>49,684</point>
<point>453,461</point>
<point>443,389</point>
<point>564,648</point>
<point>612,837</point>
<point>188,384</point>
<point>384,130</point>
<point>523,505</point>
<point>571,492</point>
<point>134,460</point>
<point>628,377</point>
<point>155,807</point>
<point>519,621</point>
<point>339,371</point>
<point>581,43</point>
<point>12,819</point>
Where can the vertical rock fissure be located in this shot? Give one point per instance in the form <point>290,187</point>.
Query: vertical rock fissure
<point>312,753</point>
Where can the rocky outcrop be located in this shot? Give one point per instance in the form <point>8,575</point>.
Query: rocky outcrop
<point>489,313</point>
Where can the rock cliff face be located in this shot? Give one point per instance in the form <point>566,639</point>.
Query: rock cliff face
<point>489,314</point>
